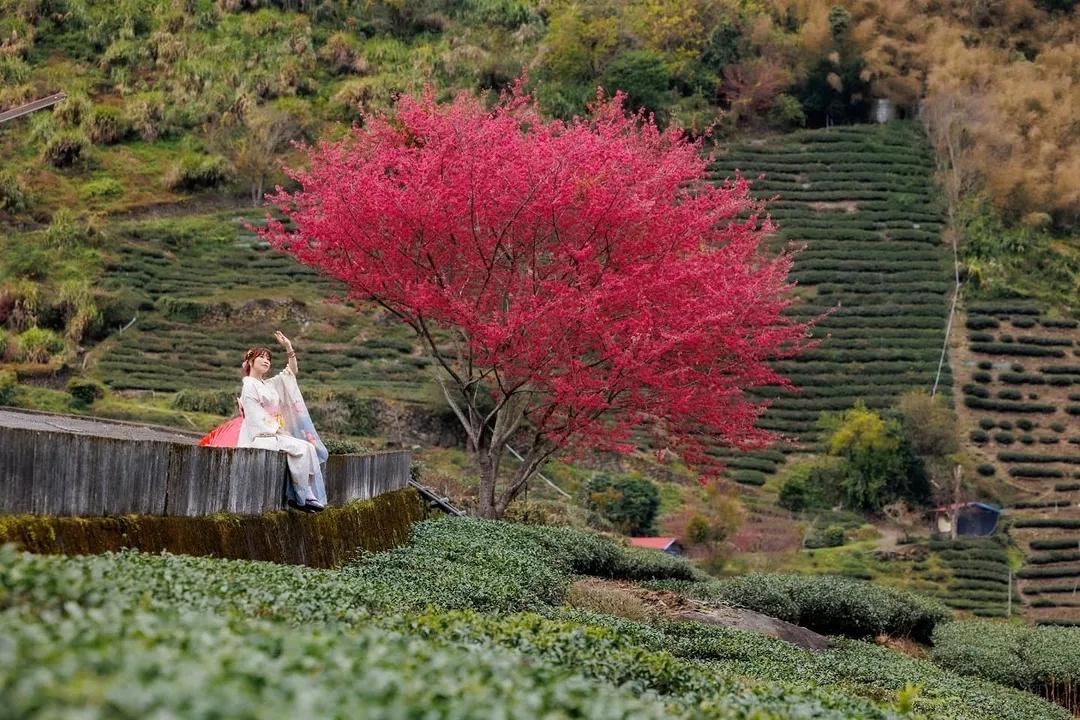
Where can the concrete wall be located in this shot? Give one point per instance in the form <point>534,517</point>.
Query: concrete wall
<point>62,473</point>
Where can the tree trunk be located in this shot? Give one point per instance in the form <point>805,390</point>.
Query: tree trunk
<point>486,506</point>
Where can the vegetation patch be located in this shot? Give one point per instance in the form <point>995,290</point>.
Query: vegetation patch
<point>1041,660</point>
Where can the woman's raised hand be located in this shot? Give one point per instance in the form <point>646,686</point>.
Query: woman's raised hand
<point>284,341</point>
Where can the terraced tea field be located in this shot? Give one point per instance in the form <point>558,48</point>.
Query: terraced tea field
<point>980,581</point>
<point>861,203</point>
<point>1020,391</point>
<point>207,289</point>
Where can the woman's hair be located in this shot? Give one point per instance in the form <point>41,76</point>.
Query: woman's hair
<point>250,355</point>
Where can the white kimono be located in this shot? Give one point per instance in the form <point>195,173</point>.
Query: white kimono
<point>276,418</point>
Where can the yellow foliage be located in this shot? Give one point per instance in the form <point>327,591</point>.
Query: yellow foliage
<point>1017,68</point>
<point>860,430</point>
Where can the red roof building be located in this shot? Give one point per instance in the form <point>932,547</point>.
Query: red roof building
<point>670,545</point>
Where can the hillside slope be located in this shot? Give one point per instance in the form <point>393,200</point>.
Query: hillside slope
<point>1019,372</point>
<point>861,203</point>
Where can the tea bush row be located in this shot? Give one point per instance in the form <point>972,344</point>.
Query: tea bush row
<point>1043,660</point>
<point>829,604</point>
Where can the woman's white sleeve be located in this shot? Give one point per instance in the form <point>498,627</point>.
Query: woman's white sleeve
<point>255,415</point>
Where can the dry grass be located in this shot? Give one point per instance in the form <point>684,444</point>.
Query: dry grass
<point>609,598</point>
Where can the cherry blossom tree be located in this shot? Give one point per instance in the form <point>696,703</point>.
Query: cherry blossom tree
<point>579,285</point>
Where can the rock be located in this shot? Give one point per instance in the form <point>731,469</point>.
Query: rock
<point>740,619</point>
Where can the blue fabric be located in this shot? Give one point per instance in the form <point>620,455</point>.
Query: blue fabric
<point>299,425</point>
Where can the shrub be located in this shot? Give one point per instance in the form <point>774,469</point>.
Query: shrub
<point>369,672</point>
<point>986,470</point>
<point>197,172</point>
<point>14,197</point>
<point>748,477</point>
<point>85,391</point>
<point>1067,523</point>
<point>1035,472</point>
<point>146,114</point>
<point>793,494</point>
<point>1056,544</point>
<point>1007,405</point>
<point>786,113</point>
<point>103,188</point>
<point>831,536</point>
<point>64,149</point>
<point>8,384</point>
<point>830,604</point>
<point>197,616</point>
<point>978,436</point>
<point>38,345</point>
<point>215,402</point>
<point>1009,348</point>
<point>629,503</point>
<point>979,322</point>
<point>105,125</point>
<point>986,424</point>
<point>337,446</point>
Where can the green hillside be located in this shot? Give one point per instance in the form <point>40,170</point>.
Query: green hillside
<point>131,283</point>
<point>860,203</point>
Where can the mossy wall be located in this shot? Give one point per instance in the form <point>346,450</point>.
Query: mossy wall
<point>325,539</point>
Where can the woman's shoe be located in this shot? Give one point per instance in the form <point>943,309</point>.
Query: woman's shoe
<point>302,508</point>
<point>313,505</point>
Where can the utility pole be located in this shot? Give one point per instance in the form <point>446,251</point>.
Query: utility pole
<point>27,108</point>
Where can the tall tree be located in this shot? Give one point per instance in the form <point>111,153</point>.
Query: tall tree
<point>572,281</point>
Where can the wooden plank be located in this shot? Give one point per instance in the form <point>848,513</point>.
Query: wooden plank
<point>27,108</point>
<point>362,477</point>
<point>63,473</point>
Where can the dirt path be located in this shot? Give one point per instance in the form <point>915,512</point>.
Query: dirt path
<point>890,537</point>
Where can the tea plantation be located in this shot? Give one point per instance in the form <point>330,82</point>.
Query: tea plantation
<point>980,579</point>
<point>205,289</point>
<point>861,204</point>
<point>468,620</point>
<point>1021,403</point>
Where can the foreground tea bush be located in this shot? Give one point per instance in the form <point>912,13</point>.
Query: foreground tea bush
<point>134,634</point>
<point>1043,660</point>
<point>486,565</point>
<point>196,665</point>
<point>829,604</point>
<point>634,654</point>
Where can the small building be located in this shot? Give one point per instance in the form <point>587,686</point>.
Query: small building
<point>972,518</point>
<point>670,545</point>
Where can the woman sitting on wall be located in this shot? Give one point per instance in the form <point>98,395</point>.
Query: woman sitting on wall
<point>274,417</point>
